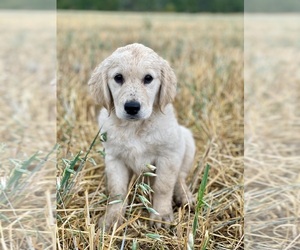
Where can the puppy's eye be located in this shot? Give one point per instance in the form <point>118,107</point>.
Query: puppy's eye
<point>119,78</point>
<point>148,79</point>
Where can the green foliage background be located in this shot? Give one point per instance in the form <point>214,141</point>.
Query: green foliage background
<point>155,5</point>
<point>192,6</point>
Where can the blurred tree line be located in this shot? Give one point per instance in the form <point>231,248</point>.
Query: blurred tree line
<point>155,5</point>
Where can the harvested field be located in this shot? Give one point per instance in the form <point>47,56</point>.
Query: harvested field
<point>27,130</point>
<point>39,181</point>
<point>272,122</point>
<point>206,53</point>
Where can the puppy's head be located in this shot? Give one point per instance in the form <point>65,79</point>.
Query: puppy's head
<point>132,82</point>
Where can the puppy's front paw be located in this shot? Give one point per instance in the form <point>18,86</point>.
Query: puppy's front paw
<point>106,222</point>
<point>114,214</point>
<point>183,198</point>
<point>159,220</point>
<point>165,214</point>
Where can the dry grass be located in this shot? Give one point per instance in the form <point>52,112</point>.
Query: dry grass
<point>272,121</point>
<point>27,126</point>
<point>207,55</point>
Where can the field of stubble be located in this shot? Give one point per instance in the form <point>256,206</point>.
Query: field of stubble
<point>27,129</point>
<point>272,122</point>
<point>206,53</point>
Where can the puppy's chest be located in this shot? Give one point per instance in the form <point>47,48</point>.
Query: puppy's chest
<point>135,149</point>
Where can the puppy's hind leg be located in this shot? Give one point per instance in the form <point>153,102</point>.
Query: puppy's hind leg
<point>182,194</point>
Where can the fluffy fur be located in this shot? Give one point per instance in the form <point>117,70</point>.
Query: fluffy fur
<point>151,136</point>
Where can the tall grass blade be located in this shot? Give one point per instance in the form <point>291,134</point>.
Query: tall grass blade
<point>200,198</point>
<point>20,170</point>
<point>68,171</point>
<point>67,182</point>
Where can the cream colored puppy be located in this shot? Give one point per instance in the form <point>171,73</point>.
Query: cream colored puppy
<point>136,88</point>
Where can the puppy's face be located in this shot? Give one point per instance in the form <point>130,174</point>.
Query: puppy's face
<point>132,82</point>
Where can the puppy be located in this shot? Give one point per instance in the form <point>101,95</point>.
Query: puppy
<point>136,88</point>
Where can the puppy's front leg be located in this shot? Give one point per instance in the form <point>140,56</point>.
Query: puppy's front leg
<point>117,175</point>
<point>163,191</point>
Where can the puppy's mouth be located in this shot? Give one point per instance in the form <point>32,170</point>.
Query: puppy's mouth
<point>133,117</point>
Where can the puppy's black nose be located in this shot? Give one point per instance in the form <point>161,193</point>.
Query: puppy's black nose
<point>132,107</point>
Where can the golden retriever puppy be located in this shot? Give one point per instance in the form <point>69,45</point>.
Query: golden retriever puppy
<point>136,88</point>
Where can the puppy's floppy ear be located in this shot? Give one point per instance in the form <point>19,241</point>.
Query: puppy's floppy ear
<point>98,85</point>
<point>168,85</point>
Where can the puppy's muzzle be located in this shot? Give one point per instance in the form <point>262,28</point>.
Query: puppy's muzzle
<point>132,107</point>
